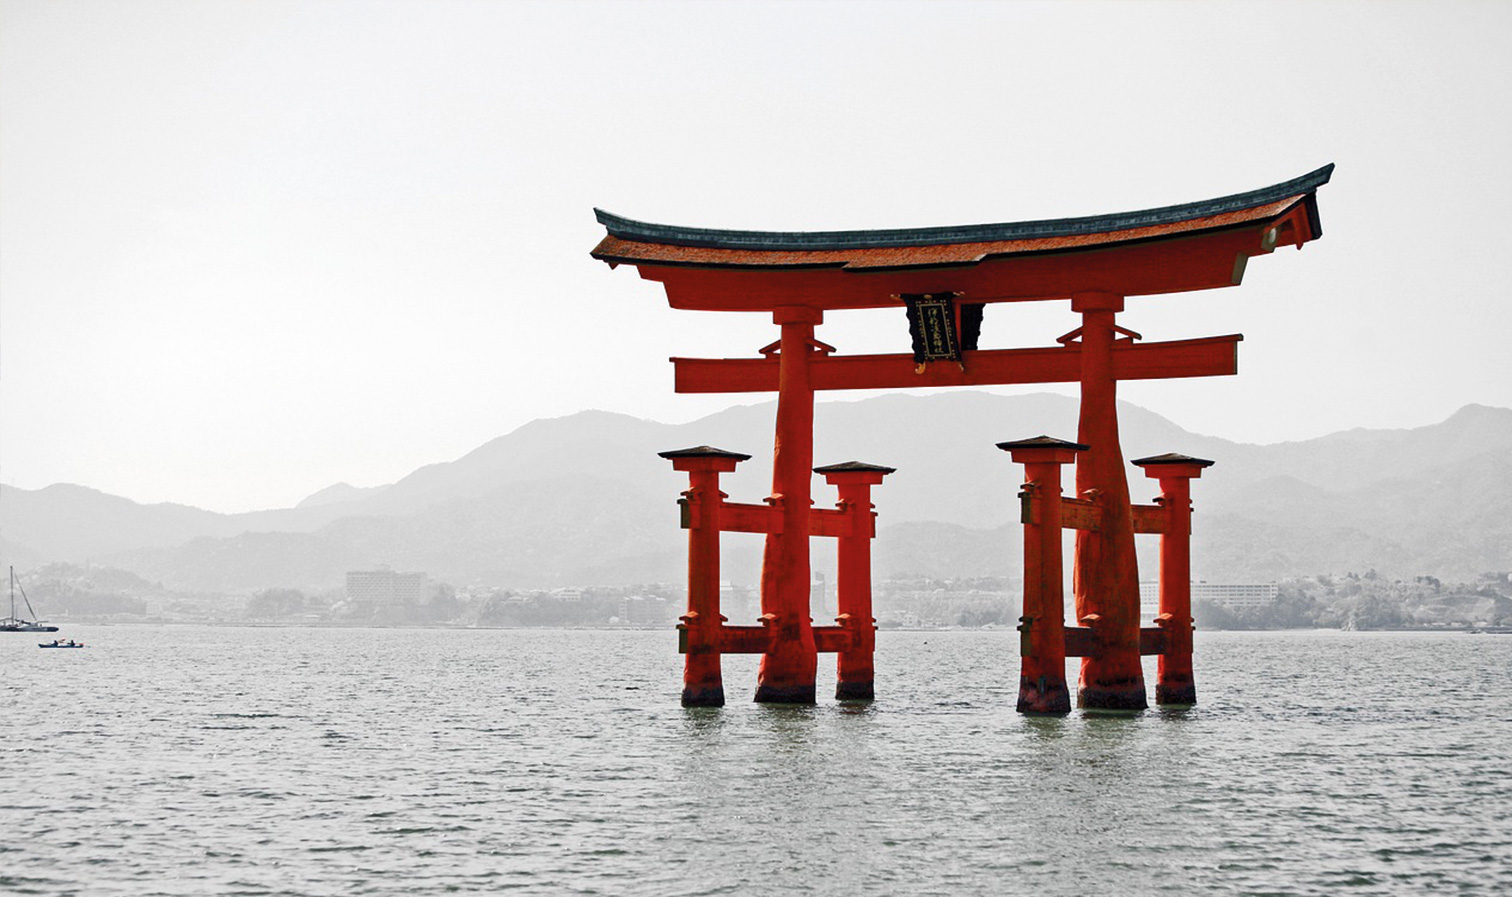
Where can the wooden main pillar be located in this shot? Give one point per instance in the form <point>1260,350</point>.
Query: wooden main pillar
<point>855,679</point>
<point>1042,673</point>
<point>1174,684</point>
<point>1105,578</point>
<point>787,670</point>
<point>703,682</point>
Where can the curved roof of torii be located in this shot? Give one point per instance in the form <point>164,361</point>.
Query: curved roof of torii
<point>1216,237</point>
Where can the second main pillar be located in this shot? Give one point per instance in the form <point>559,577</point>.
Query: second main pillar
<point>1105,577</point>
<point>787,671</point>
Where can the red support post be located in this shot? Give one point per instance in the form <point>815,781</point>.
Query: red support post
<point>1042,672</point>
<point>1174,683</point>
<point>786,674</point>
<point>1106,574</point>
<point>703,682</point>
<point>855,680</point>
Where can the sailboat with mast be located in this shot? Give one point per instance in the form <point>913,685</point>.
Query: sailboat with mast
<point>14,623</point>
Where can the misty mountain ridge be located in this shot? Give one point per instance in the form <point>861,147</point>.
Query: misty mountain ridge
<point>341,493</point>
<point>584,499</point>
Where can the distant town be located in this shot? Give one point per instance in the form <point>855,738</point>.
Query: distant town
<point>90,594</point>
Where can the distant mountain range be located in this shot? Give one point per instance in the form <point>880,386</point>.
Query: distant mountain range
<point>584,500</point>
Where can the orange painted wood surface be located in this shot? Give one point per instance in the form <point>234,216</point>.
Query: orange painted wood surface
<point>1082,642</point>
<point>1206,357</point>
<point>1149,519</point>
<point>855,672</point>
<point>1078,513</point>
<point>747,518</point>
<point>1195,262</point>
<point>833,639</point>
<point>703,683</point>
<point>830,522</point>
<point>787,669</point>
<point>735,517</point>
<point>1105,577</point>
<point>757,639</point>
<point>1042,669</point>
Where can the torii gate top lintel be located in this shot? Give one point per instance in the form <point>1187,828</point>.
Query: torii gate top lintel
<point>1191,246</point>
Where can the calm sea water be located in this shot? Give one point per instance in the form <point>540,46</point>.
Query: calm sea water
<point>202,760</point>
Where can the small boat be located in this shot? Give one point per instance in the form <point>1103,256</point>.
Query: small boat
<point>60,643</point>
<point>14,623</point>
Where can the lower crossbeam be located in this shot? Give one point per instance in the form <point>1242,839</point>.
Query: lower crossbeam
<point>1082,641</point>
<point>759,639</point>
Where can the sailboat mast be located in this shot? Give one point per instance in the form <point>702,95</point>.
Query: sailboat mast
<point>29,610</point>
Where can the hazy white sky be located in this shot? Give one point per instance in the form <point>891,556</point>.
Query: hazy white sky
<point>249,249</point>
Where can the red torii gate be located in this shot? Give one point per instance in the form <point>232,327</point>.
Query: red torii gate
<point>945,276</point>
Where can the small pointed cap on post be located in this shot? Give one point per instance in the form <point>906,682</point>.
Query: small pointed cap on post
<point>703,451</point>
<point>855,466</point>
<point>1042,448</point>
<point>704,457</point>
<point>854,472</point>
<point>1172,465</point>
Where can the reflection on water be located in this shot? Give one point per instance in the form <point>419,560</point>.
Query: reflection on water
<point>703,722</point>
<point>203,760</point>
<point>855,708</point>
<point>1045,729</point>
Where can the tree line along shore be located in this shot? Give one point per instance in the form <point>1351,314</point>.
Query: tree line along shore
<point>1351,600</point>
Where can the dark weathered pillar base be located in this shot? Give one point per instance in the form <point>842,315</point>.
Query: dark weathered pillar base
<point>785,694</point>
<point>854,691</point>
<point>1176,694</point>
<point>1043,695</point>
<point>708,696</point>
<point>1112,697</point>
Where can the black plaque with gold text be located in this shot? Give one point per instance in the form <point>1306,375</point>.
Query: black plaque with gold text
<point>932,325</point>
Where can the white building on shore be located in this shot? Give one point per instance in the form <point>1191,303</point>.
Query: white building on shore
<point>1233,596</point>
<point>382,588</point>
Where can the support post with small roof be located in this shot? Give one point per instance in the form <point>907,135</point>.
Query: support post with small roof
<point>1174,683</point>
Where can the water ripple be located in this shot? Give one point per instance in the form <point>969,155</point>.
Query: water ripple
<point>200,761</point>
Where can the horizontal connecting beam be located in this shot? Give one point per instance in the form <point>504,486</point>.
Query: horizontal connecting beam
<point>760,639</point>
<point>1208,357</point>
<point>1079,513</point>
<point>1082,641</point>
<point>735,517</point>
